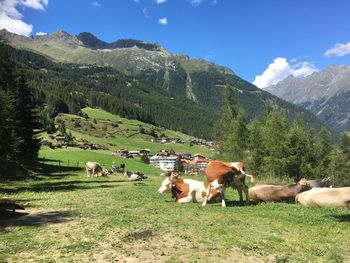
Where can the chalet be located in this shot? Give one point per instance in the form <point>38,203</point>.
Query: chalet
<point>135,153</point>
<point>59,139</point>
<point>163,152</point>
<point>121,152</point>
<point>144,152</point>
<point>185,156</point>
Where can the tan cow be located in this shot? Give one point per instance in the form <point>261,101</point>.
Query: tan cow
<point>221,175</point>
<point>321,197</point>
<point>277,193</point>
<point>93,168</point>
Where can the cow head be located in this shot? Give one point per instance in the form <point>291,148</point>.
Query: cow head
<point>304,184</point>
<point>165,186</point>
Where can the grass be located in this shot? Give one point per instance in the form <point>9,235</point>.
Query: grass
<point>103,133</point>
<point>73,218</point>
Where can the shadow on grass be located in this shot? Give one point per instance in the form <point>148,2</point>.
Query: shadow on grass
<point>342,218</point>
<point>32,219</point>
<point>238,203</point>
<point>61,186</point>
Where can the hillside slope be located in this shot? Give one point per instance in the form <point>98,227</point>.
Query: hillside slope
<point>325,93</point>
<point>191,88</point>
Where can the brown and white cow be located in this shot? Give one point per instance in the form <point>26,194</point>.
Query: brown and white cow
<point>277,193</point>
<point>221,175</point>
<point>186,190</point>
<point>321,197</point>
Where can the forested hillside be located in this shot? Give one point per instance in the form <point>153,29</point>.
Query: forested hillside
<point>151,82</point>
<point>67,88</point>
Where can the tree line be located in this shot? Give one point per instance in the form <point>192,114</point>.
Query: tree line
<point>272,146</point>
<point>18,117</point>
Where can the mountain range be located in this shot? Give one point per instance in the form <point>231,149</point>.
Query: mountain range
<point>325,93</point>
<point>177,77</point>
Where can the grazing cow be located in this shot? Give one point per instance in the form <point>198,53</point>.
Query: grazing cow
<point>105,172</point>
<point>185,190</point>
<point>325,182</point>
<point>135,176</point>
<point>93,168</point>
<point>277,193</point>
<point>221,175</point>
<point>321,197</point>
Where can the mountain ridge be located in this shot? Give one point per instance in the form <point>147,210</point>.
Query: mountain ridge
<point>176,76</point>
<point>325,93</point>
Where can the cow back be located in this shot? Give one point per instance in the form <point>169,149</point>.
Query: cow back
<point>220,171</point>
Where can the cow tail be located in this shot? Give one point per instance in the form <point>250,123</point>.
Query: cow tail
<point>251,177</point>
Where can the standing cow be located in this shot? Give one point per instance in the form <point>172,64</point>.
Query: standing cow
<point>221,175</point>
<point>93,168</point>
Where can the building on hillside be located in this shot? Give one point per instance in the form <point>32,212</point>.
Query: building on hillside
<point>144,152</point>
<point>165,163</point>
<point>185,156</point>
<point>135,153</point>
<point>59,139</point>
<point>121,152</point>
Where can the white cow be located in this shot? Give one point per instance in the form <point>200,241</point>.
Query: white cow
<point>93,168</point>
<point>321,197</point>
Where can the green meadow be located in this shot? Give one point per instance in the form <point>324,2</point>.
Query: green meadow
<point>70,217</point>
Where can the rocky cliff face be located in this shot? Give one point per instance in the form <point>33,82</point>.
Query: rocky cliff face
<point>325,93</point>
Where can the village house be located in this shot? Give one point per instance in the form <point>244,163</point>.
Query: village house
<point>165,163</point>
<point>121,153</point>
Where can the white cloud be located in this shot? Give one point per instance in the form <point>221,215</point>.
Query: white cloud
<point>160,1</point>
<point>280,69</point>
<point>136,1</point>
<point>163,21</point>
<point>145,12</point>
<point>41,34</point>
<point>11,18</point>
<point>95,4</point>
<point>339,50</point>
<point>196,2</point>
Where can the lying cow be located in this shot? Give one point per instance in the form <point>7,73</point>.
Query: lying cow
<point>185,190</point>
<point>322,197</point>
<point>277,193</point>
<point>93,168</point>
<point>221,175</point>
<point>325,182</point>
<point>135,176</point>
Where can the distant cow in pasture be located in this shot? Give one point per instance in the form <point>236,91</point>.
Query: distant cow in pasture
<point>325,182</point>
<point>135,176</point>
<point>93,168</point>
<point>221,175</point>
<point>186,190</point>
<point>322,197</point>
<point>277,193</point>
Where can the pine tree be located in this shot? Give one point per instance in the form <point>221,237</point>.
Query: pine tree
<point>236,143</point>
<point>255,146</point>
<point>301,161</point>
<point>323,152</point>
<point>229,112</point>
<point>274,135</point>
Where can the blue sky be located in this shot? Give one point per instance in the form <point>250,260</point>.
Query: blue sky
<point>270,39</point>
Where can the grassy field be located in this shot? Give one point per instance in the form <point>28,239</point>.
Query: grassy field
<point>72,218</point>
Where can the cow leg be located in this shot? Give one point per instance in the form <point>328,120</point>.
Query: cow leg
<point>186,199</point>
<point>246,193</point>
<point>206,196</point>
<point>240,195</point>
<point>222,194</point>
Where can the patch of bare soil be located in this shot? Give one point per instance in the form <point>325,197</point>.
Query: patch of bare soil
<point>148,246</point>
